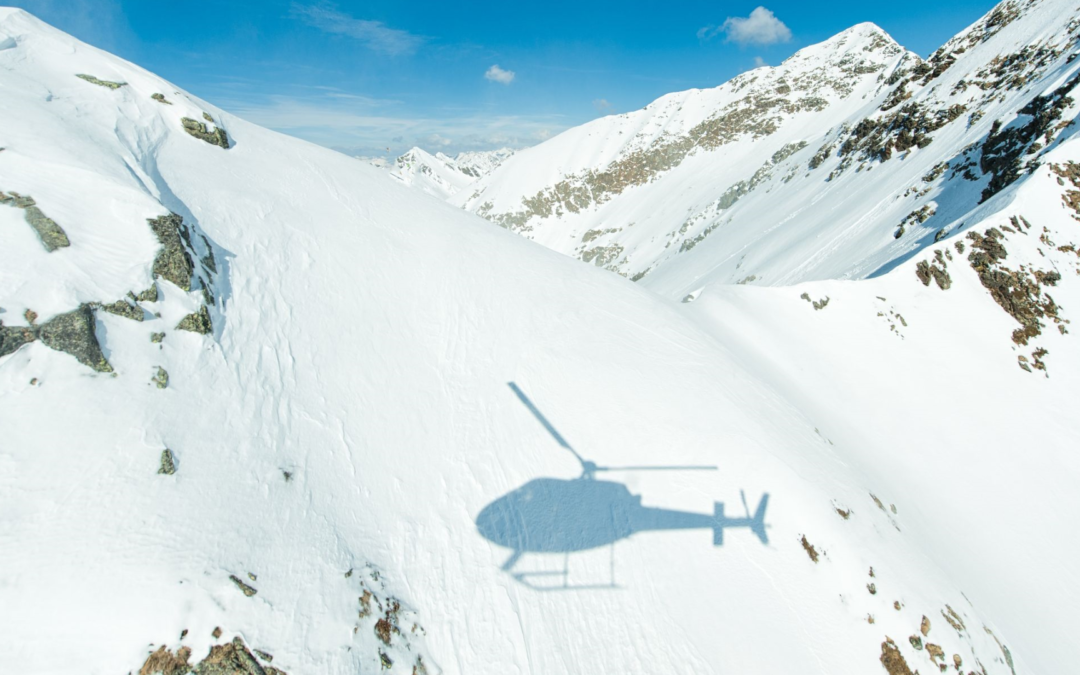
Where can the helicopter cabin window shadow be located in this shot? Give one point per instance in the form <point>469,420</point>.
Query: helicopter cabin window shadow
<point>569,516</point>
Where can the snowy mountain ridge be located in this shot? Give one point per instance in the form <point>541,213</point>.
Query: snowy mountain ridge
<point>715,186</point>
<point>444,176</point>
<point>255,413</point>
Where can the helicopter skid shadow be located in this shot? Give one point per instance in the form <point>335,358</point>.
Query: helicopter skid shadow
<point>589,570</point>
<point>525,581</point>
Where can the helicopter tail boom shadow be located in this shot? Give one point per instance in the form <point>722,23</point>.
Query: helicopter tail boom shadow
<point>755,523</point>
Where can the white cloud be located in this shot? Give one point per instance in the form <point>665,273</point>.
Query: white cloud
<point>99,22</point>
<point>367,129</point>
<point>436,140</point>
<point>759,62</point>
<point>375,35</point>
<point>760,28</point>
<point>497,74</point>
<point>602,105</point>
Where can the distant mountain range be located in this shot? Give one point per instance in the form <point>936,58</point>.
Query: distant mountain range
<point>852,155</point>
<point>445,176</point>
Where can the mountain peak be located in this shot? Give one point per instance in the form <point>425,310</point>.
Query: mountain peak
<point>28,21</point>
<point>866,39</point>
<point>866,29</point>
<point>6,12</point>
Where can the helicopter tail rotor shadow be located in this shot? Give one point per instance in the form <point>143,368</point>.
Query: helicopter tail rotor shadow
<point>755,523</point>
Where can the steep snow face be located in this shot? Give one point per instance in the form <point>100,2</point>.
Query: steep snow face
<point>308,440</point>
<point>445,176</point>
<point>848,157</point>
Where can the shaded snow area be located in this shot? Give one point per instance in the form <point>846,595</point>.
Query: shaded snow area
<point>263,410</point>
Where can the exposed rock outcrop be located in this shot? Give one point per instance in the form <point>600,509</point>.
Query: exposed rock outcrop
<point>75,333</point>
<point>52,236</point>
<point>1018,292</point>
<point>1038,122</point>
<point>199,130</point>
<point>164,662</point>
<point>197,322</point>
<point>892,660</point>
<point>168,463</point>
<point>13,337</point>
<point>244,588</point>
<point>149,295</point>
<point>173,262</point>
<point>124,309</point>
<point>231,658</point>
<point>101,83</point>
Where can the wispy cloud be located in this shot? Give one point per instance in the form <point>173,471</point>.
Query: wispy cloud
<point>375,35</point>
<point>436,141</point>
<point>602,105</point>
<point>370,127</point>
<point>759,62</point>
<point>760,28</point>
<point>102,23</point>
<point>497,74</point>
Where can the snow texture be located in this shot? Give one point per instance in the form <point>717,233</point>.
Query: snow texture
<point>336,437</point>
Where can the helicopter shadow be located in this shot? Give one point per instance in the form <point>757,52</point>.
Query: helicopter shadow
<point>570,516</point>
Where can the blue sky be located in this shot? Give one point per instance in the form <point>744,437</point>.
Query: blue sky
<point>364,76</point>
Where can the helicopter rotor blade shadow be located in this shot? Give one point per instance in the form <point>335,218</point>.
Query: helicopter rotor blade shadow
<point>590,467</point>
<point>543,420</point>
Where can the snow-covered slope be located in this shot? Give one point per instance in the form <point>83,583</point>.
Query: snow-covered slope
<point>850,156</point>
<point>296,431</point>
<point>445,176</point>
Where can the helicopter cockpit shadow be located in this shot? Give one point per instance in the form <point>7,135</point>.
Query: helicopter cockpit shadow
<point>554,515</point>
